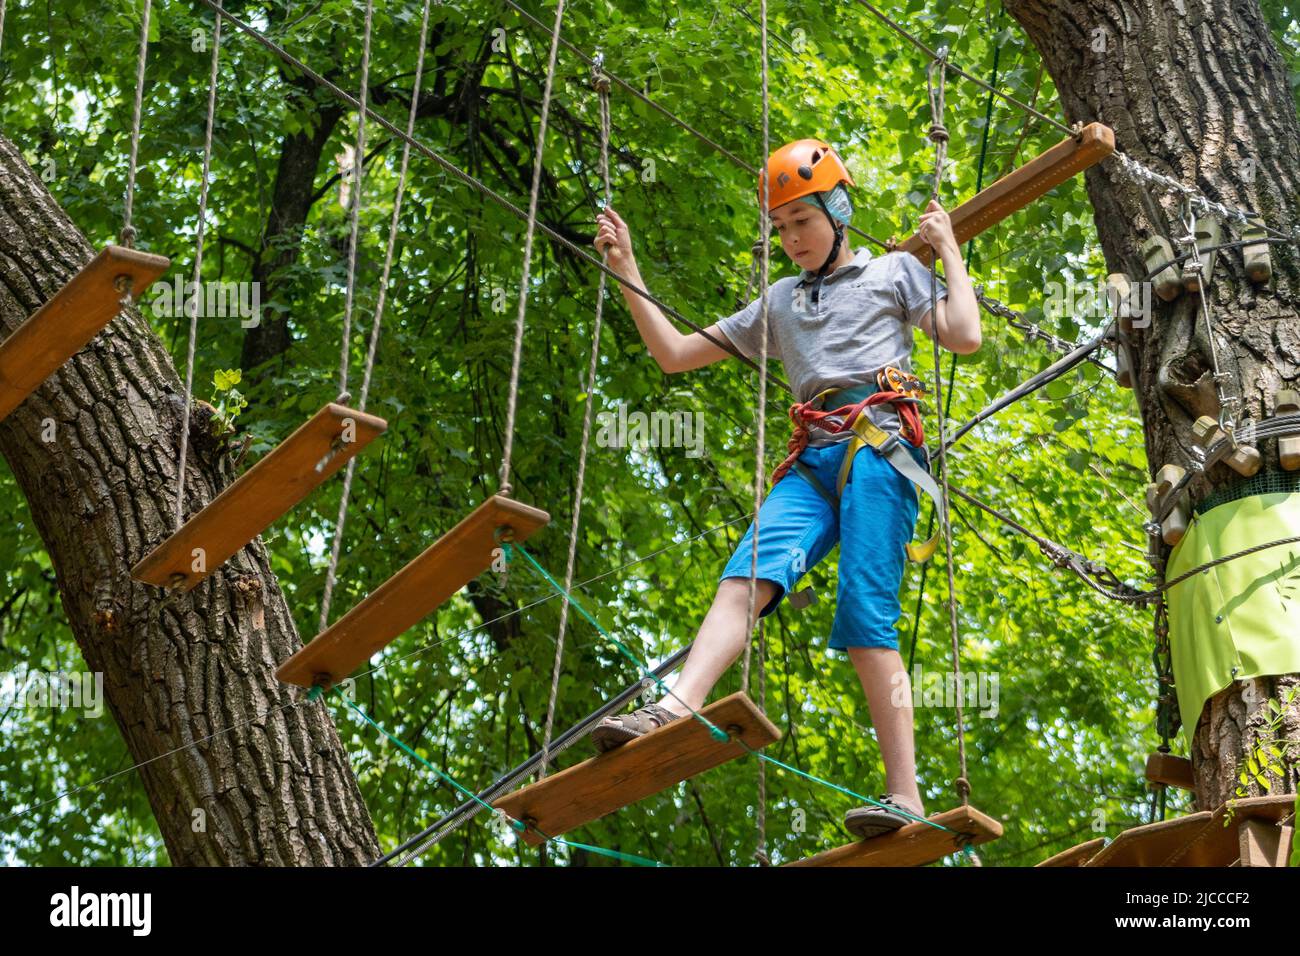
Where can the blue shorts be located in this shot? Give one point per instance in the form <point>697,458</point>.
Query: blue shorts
<point>798,527</point>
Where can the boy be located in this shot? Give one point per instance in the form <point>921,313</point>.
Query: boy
<point>846,317</point>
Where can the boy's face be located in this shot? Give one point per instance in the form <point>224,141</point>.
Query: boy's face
<point>805,233</point>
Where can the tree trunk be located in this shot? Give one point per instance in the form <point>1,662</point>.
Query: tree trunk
<point>291,201</point>
<point>1197,91</point>
<point>190,685</point>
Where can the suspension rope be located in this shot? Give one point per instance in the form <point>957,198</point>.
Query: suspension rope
<point>387,663</point>
<point>1143,175</point>
<point>1134,167</point>
<point>336,548</point>
<point>952,364</point>
<point>487,191</point>
<point>1196,264</point>
<point>601,83</point>
<point>667,113</point>
<point>764,248</point>
<point>717,733</point>
<point>939,136</point>
<point>358,164</point>
<point>760,457</point>
<point>933,55</point>
<point>2,28</point>
<point>127,236</point>
<point>538,157</point>
<point>192,305</point>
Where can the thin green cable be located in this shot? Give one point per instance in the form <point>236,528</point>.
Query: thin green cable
<point>518,825</point>
<point>762,756</point>
<point>716,732</point>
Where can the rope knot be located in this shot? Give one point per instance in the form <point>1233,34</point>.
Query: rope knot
<point>127,237</point>
<point>938,132</point>
<point>962,786</point>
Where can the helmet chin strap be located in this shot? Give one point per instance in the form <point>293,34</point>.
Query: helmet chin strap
<point>835,247</point>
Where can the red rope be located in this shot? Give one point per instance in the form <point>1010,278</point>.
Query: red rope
<point>804,415</point>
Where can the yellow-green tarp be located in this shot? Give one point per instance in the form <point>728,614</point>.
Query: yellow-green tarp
<point>1240,619</point>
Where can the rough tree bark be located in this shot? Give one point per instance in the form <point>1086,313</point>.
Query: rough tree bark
<point>1194,89</point>
<point>276,789</point>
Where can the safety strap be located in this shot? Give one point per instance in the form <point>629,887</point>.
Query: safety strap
<point>892,449</point>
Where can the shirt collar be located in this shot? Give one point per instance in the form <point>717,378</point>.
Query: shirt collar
<point>857,264</point>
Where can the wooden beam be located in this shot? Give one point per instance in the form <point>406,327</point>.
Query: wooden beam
<point>1198,839</point>
<point>272,487</point>
<point>73,316</point>
<point>1171,771</point>
<point>1263,844</point>
<point>915,844</point>
<point>1022,186</point>
<point>1076,855</point>
<point>638,769</point>
<point>414,592</point>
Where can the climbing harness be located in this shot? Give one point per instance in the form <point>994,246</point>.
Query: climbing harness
<point>893,385</point>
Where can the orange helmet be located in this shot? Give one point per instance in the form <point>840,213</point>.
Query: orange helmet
<point>801,168</point>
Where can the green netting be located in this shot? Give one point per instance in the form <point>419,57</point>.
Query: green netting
<point>1240,619</point>
<point>1265,483</point>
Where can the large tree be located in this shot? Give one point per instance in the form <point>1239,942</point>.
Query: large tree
<point>190,683</point>
<point>1198,91</point>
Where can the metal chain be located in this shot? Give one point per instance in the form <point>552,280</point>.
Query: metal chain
<point>1143,174</point>
<point>1187,214</point>
<point>1031,331</point>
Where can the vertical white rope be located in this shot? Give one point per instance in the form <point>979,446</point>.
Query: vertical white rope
<point>939,136</point>
<point>760,467</point>
<point>192,305</point>
<point>127,237</point>
<point>512,401</point>
<point>358,163</point>
<point>336,548</point>
<point>602,89</point>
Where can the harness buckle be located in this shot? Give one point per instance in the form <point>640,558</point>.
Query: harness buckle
<point>894,379</point>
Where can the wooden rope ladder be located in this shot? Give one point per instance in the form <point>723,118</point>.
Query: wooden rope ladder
<point>468,549</point>
<point>283,478</point>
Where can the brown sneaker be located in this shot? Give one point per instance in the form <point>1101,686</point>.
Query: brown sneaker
<point>872,821</point>
<point>615,731</point>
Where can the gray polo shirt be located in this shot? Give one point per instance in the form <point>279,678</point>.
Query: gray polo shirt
<point>863,318</point>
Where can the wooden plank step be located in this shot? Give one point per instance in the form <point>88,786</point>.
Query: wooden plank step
<point>1170,770</point>
<point>267,491</point>
<point>638,769</point>
<point>1076,855</point>
<point>915,844</point>
<point>1263,844</point>
<point>73,316</point>
<point>414,592</point>
<point>1022,186</point>
<point>1197,839</point>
